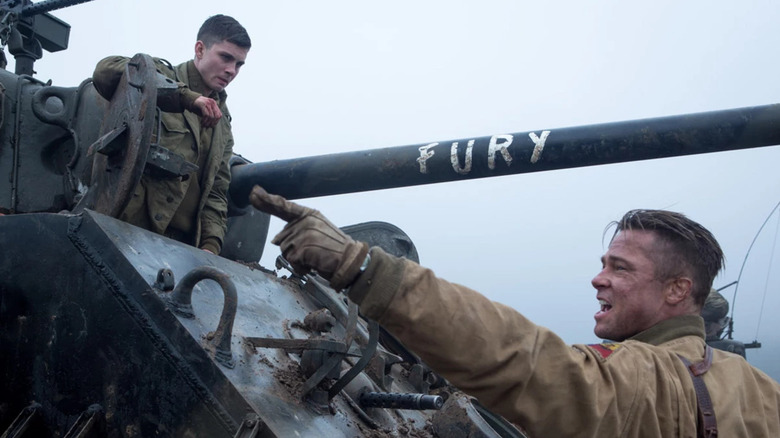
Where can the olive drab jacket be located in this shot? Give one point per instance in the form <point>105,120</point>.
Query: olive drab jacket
<point>156,200</point>
<point>637,388</point>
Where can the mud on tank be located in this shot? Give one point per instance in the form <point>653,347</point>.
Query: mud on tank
<point>110,330</point>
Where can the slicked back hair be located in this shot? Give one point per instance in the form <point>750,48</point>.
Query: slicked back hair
<point>220,28</point>
<point>685,248</point>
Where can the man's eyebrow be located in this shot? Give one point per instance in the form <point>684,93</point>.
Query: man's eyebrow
<point>613,259</point>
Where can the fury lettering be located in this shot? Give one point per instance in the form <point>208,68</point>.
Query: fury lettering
<point>466,168</point>
<point>538,145</point>
<point>495,146</point>
<point>425,154</point>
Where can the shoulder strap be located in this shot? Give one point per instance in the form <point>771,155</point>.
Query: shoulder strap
<point>707,426</point>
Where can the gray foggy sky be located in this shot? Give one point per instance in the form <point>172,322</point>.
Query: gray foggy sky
<point>326,77</point>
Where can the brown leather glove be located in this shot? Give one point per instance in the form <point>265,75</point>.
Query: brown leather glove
<point>310,241</point>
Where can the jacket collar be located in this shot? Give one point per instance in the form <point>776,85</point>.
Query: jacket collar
<point>672,328</point>
<point>196,84</point>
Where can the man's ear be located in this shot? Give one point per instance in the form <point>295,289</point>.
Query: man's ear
<point>200,48</point>
<point>678,290</point>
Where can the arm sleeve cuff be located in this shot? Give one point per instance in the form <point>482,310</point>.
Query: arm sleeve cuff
<point>212,244</point>
<point>375,288</point>
<point>188,99</point>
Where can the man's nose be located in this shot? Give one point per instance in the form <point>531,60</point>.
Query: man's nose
<point>600,280</point>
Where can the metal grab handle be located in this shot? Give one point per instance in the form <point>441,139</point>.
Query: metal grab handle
<point>180,302</point>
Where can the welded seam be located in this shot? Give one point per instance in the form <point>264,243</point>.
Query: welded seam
<point>144,321</point>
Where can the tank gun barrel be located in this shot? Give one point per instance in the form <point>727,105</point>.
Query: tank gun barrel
<point>506,154</point>
<point>48,6</point>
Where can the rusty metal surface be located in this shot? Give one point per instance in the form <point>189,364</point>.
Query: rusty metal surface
<point>121,151</point>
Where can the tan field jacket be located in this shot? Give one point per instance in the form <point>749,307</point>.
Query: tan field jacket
<point>637,388</point>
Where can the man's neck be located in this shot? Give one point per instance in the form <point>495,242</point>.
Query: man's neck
<point>197,84</point>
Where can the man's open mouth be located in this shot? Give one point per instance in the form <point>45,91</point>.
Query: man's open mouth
<point>605,308</point>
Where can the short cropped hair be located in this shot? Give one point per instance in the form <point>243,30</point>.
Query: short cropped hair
<point>686,248</point>
<point>220,28</point>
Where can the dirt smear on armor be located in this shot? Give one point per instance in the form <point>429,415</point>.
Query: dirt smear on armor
<point>291,378</point>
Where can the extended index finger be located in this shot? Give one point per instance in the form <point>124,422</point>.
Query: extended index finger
<point>276,205</point>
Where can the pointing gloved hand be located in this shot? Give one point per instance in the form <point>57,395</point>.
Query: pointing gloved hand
<point>310,241</point>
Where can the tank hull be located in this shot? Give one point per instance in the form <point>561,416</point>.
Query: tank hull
<point>89,329</point>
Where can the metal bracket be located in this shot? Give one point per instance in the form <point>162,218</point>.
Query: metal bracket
<point>282,263</point>
<point>106,145</point>
<point>380,366</point>
<point>161,161</point>
<point>89,423</point>
<point>421,377</point>
<point>367,354</point>
<point>336,352</point>
<point>22,422</point>
<point>165,280</point>
<point>250,427</point>
<point>298,346</point>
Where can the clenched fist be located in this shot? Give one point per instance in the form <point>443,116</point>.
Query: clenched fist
<point>310,241</point>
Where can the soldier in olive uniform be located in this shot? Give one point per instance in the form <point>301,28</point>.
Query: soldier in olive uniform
<point>191,209</point>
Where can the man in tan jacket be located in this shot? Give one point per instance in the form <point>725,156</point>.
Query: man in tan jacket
<point>658,379</point>
<point>190,209</point>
